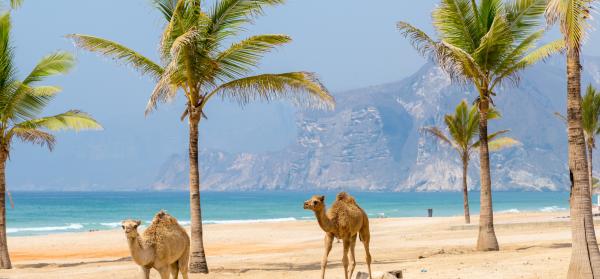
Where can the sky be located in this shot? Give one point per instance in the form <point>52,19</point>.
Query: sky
<point>350,44</point>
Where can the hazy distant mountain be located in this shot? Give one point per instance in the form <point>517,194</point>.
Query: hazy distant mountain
<point>372,141</point>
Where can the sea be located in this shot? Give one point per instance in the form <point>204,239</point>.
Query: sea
<point>41,213</point>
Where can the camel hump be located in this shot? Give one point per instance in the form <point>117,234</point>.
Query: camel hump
<point>345,197</point>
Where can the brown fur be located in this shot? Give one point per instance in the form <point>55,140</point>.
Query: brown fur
<point>344,220</point>
<point>164,245</point>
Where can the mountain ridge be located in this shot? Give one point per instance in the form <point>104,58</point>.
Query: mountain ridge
<point>372,141</point>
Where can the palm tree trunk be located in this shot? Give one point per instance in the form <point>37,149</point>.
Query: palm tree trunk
<point>197,257</point>
<point>4,256</point>
<point>487,236</point>
<point>585,256</point>
<point>465,161</point>
<point>590,151</point>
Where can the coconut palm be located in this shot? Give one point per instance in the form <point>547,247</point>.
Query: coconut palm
<point>590,113</point>
<point>590,109</point>
<point>198,61</point>
<point>21,102</point>
<point>484,44</point>
<point>463,126</point>
<point>572,17</point>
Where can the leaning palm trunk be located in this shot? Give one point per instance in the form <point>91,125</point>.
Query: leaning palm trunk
<point>585,256</point>
<point>4,257</point>
<point>465,161</point>
<point>487,237</point>
<point>197,257</point>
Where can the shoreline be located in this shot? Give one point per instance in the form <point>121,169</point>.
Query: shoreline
<point>533,245</point>
<point>108,226</point>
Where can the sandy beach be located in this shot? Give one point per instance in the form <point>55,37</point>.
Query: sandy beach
<point>533,245</point>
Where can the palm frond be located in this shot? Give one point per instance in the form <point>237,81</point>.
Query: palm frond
<point>439,134</point>
<point>227,16</point>
<point>34,136</point>
<point>22,103</point>
<point>540,54</point>
<point>53,64</point>
<point>166,88</point>
<point>424,44</point>
<point>70,120</point>
<point>119,53</point>
<point>457,24</point>
<point>561,117</point>
<point>46,90</point>
<point>502,143</point>
<point>7,70</point>
<point>491,137</point>
<point>302,88</point>
<point>16,3</point>
<point>494,44</point>
<point>524,16</point>
<point>242,56</point>
<point>572,17</point>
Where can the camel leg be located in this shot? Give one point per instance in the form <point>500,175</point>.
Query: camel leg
<point>345,256</point>
<point>145,271</point>
<point>164,272</point>
<point>183,264</point>
<point>365,238</point>
<point>174,270</point>
<point>352,257</point>
<point>328,244</point>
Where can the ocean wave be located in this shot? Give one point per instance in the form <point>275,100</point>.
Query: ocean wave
<point>553,208</point>
<point>512,210</point>
<point>247,221</point>
<point>111,224</point>
<point>46,229</point>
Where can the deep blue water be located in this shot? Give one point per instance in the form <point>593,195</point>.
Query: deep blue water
<point>56,212</point>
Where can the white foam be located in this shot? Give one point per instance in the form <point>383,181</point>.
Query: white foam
<point>553,208</point>
<point>112,224</point>
<point>45,229</point>
<point>274,220</point>
<point>512,210</point>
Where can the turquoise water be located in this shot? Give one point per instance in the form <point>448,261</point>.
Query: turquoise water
<point>58,212</point>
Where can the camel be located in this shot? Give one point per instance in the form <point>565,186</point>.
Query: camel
<point>345,220</point>
<point>164,246</point>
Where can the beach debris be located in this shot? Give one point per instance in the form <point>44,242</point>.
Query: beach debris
<point>423,270</point>
<point>381,275</point>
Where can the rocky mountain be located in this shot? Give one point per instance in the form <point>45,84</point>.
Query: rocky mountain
<point>372,141</point>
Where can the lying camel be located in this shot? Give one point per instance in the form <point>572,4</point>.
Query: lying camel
<point>345,220</point>
<point>164,246</point>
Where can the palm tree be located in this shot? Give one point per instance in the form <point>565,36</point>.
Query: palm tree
<point>590,109</point>
<point>572,16</point>
<point>197,63</point>
<point>590,114</point>
<point>21,101</point>
<point>484,44</point>
<point>463,125</point>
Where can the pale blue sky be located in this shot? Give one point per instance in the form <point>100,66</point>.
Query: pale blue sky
<point>349,43</point>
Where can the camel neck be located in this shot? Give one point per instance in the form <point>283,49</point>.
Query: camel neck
<point>324,221</point>
<point>138,253</point>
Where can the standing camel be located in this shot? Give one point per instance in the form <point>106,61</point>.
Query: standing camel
<point>344,220</point>
<point>164,246</point>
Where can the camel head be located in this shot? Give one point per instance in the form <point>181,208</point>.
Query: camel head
<point>315,203</point>
<point>130,227</point>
